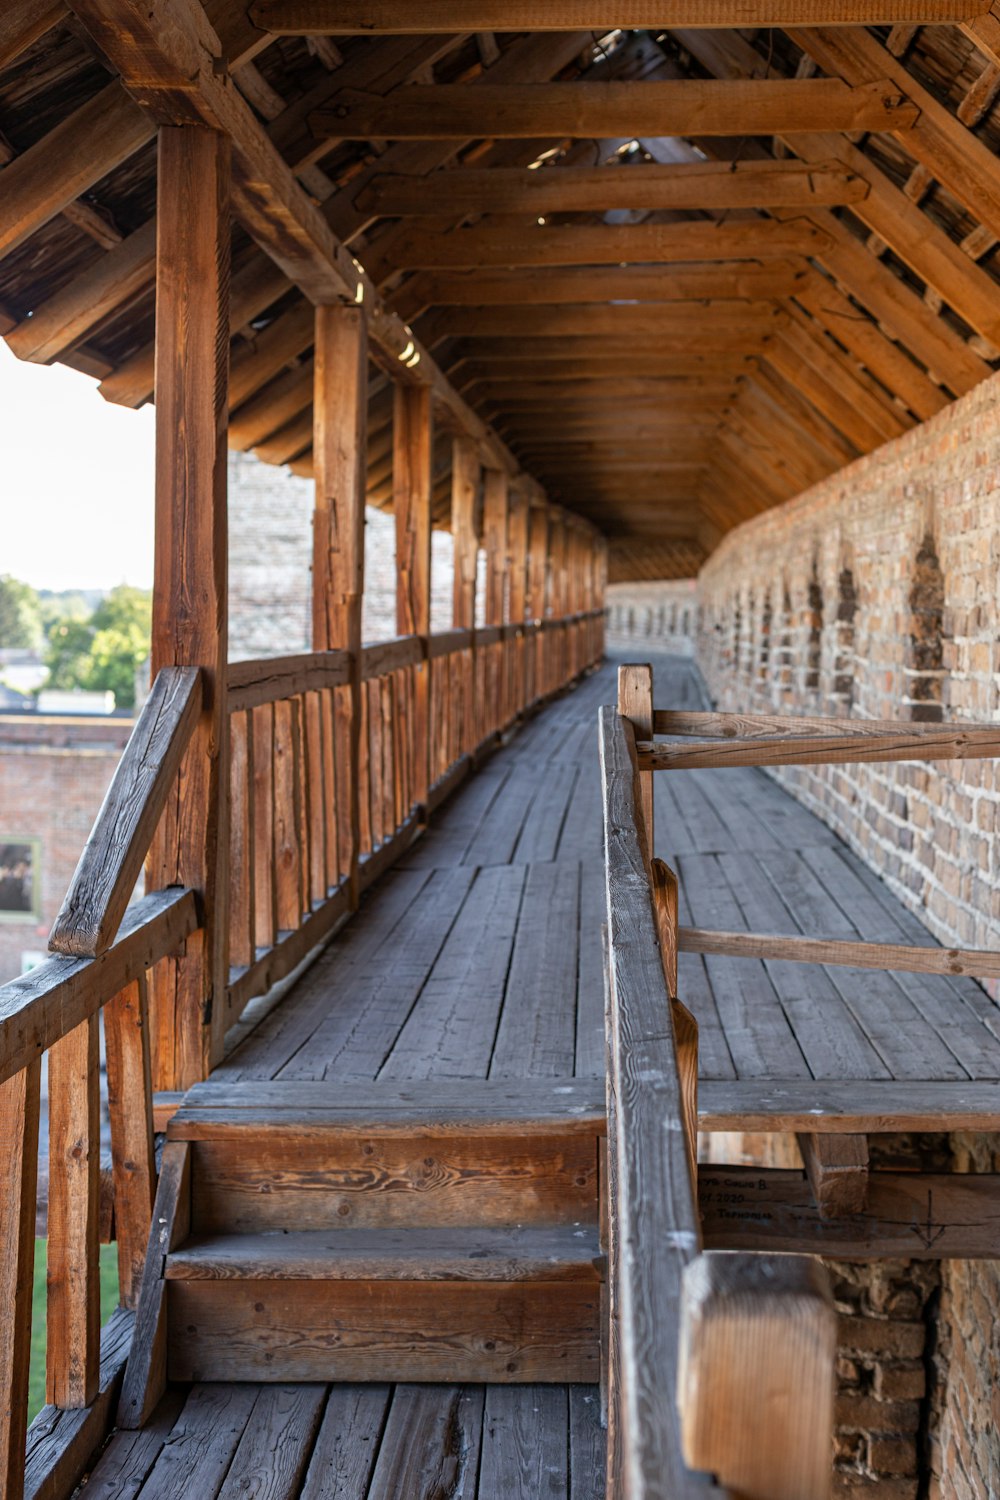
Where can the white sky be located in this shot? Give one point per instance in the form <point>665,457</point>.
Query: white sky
<point>76,481</point>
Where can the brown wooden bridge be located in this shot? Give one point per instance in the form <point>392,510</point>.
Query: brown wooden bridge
<point>407,1060</point>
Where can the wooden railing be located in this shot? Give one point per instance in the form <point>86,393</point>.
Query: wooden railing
<point>294,850</point>
<point>719,1365</point>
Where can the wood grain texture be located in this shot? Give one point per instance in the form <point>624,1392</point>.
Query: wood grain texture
<point>689,107</point>
<point>130,1111</point>
<point>419,1331</point>
<point>112,857</point>
<point>837,1168</point>
<point>251,683</point>
<point>72,1320</point>
<point>331,17</point>
<point>855,955</point>
<point>40,1007</point>
<point>950,742</point>
<point>758,1341</point>
<point>19,1109</point>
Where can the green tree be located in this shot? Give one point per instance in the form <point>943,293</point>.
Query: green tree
<point>20,615</point>
<point>103,654</point>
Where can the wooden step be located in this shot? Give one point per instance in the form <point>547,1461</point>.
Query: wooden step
<point>566,1253</point>
<point>410,1305</point>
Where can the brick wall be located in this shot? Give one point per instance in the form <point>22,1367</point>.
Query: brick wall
<point>51,788</point>
<point>660,614</point>
<point>876,594</point>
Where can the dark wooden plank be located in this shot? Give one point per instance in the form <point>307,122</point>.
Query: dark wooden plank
<point>112,857</point>
<point>372,1330</point>
<point>760,1039</point>
<point>590,1058</point>
<point>451,1029</point>
<point>537,1032</point>
<point>347,1444</point>
<point>431,1443</point>
<point>122,1468</point>
<point>271,1459</point>
<point>523,1253</point>
<point>540,835</point>
<point>833,1042</point>
<point>588,1442</point>
<point>867,1106</point>
<point>199,1451</point>
<point>525,1446</point>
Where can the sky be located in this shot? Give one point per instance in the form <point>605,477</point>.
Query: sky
<point>76,482</point>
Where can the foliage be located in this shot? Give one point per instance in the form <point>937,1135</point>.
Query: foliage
<point>103,653</point>
<point>20,615</point>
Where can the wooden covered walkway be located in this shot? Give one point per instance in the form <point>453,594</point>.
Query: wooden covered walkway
<point>479,958</point>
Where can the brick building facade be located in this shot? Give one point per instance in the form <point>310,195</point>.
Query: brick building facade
<point>53,775</point>
<point>876,594</point>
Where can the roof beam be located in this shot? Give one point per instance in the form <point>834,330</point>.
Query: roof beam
<point>649,185</point>
<point>345,17</point>
<point>740,321</point>
<point>500,247</point>
<point>22,22</point>
<point>585,110</point>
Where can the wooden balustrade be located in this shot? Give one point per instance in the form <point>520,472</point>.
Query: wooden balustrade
<point>718,1365</point>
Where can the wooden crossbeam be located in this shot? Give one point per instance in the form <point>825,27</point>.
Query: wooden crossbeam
<point>683,185</point>
<point>22,22</point>
<point>607,244</point>
<point>911,1215</point>
<point>584,110</point>
<point>896,957</point>
<point>345,17</point>
<point>939,742</point>
<point>739,323</point>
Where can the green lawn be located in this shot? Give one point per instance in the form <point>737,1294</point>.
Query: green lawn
<point>109,1301</point>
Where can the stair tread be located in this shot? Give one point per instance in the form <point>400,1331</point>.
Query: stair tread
<point>532,1253</point>
<point>570,1106</point>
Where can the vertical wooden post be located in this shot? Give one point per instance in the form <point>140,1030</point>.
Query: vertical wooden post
<point>189,591</point>
<point>130,1108</point>
<point>465,476</point>
<point>755,1379</point>
<point>665,903</point>
<point>538,563</point>
<point>340,418</point>
<point>517,590</point>
<point>411,488</point>
<point>73,1315</point>
<point>495,504</point>
<point>635,702</point>
<point>19,1100</point>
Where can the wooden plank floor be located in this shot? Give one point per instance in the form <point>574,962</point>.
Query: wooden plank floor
<point>480,955</point>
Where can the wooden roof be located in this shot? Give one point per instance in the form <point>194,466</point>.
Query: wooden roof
<point>677,275</point>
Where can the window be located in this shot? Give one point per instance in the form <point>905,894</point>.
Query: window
<point>20,880</point>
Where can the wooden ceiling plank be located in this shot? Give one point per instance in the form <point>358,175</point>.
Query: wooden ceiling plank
<point>75,154</point>
<point>345,17</point>
<point>826,394</point>
<point>694,185</point>
<point>23,23</point>
<point>737,280</point>
<point>261,416</point>
<point>742,320</point>
<point>961,162</point>
<point>582,111</point>
<point>500,247</point>
<point>867,403</point>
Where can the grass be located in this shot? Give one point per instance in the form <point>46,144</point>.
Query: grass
<point>109,1301</point>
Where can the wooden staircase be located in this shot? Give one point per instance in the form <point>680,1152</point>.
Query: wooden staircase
<point>319,1232</point>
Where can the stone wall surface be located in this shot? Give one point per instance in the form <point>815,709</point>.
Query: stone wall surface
<point>875,594</point>
<point>654,615</point>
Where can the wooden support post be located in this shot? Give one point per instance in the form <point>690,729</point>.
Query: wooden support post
<point>340,416</point>
<point>538,568</point>
<point>517,592</point>
<point>495,505</point>
<point>189,591</point>
<point>73,1314</point>
<point>685,1026</point>
<point>755,1381</point>
<point>19,1100</point>
<point>465,499</point>
<point>130,1108</point>
<point>411,488</point>
<point>837,1168</point>
<point>635,702</point>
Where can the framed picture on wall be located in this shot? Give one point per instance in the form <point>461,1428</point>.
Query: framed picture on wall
<point>20,880</point>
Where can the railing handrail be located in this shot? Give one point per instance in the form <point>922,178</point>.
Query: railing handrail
<point>109,866</point>
<point>41,1007</point>
<point>656,1229</point>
